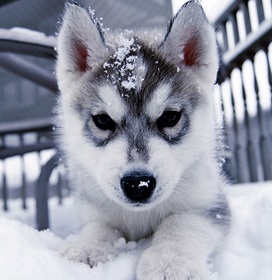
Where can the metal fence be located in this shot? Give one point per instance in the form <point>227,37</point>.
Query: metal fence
<point>244,34</point>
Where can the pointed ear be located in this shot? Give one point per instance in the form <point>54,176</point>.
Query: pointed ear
<point>80,42</point>
<point>190,40</point>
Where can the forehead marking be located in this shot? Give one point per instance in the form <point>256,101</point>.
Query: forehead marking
<point>140,72</point>
<point>157,104</point>
<point>112,102</point>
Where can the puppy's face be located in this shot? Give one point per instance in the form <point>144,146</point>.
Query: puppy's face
<point>136,116</point>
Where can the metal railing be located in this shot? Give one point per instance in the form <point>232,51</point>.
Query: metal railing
<point>245,35</point>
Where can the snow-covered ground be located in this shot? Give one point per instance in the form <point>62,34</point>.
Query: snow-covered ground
<point>27,254</point>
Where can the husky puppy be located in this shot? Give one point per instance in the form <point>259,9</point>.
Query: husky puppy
<point>137,131</point>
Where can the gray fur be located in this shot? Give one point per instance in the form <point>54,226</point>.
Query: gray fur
<point>182,92</point>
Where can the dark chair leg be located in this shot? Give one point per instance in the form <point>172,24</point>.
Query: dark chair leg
<point>42,213</point>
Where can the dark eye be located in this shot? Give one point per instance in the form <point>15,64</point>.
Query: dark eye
<point>168,119</point>
<point>104,122</point>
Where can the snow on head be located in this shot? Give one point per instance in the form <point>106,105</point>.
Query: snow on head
<point>125,63</point>
<point>125,45</point>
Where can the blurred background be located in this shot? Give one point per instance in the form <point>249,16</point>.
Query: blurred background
<point>30,166</point>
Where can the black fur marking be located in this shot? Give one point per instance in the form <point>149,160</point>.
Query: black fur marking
<point>184,127</point>
<point>136,127</point>
<point>100,138</point>
<point>98,25</point>
<point>99,142</point>
<point>220,213</point>
<point>71,2</point>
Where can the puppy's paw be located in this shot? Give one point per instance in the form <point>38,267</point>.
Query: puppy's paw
<point>158,263</point>
<point>89,254</point>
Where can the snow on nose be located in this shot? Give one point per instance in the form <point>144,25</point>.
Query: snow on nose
<point>138,187</point>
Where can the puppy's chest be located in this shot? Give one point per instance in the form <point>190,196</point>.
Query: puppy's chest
<point>136,226</point>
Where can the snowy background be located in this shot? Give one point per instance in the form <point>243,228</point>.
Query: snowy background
<point>27,254</point>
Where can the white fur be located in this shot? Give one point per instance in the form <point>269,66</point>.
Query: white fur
<point>140,72</point>
<point>159,101</point>
<point>187,176</point>
<point>113,104</point>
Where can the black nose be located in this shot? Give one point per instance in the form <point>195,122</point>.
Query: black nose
<point>138,187</point>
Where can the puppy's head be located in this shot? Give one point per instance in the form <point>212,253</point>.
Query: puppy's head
<point>136,112</point>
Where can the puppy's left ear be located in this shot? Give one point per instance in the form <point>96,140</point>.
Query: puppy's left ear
<point>190,41</point>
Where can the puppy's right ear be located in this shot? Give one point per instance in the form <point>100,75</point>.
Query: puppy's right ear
<point>80,43</point>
